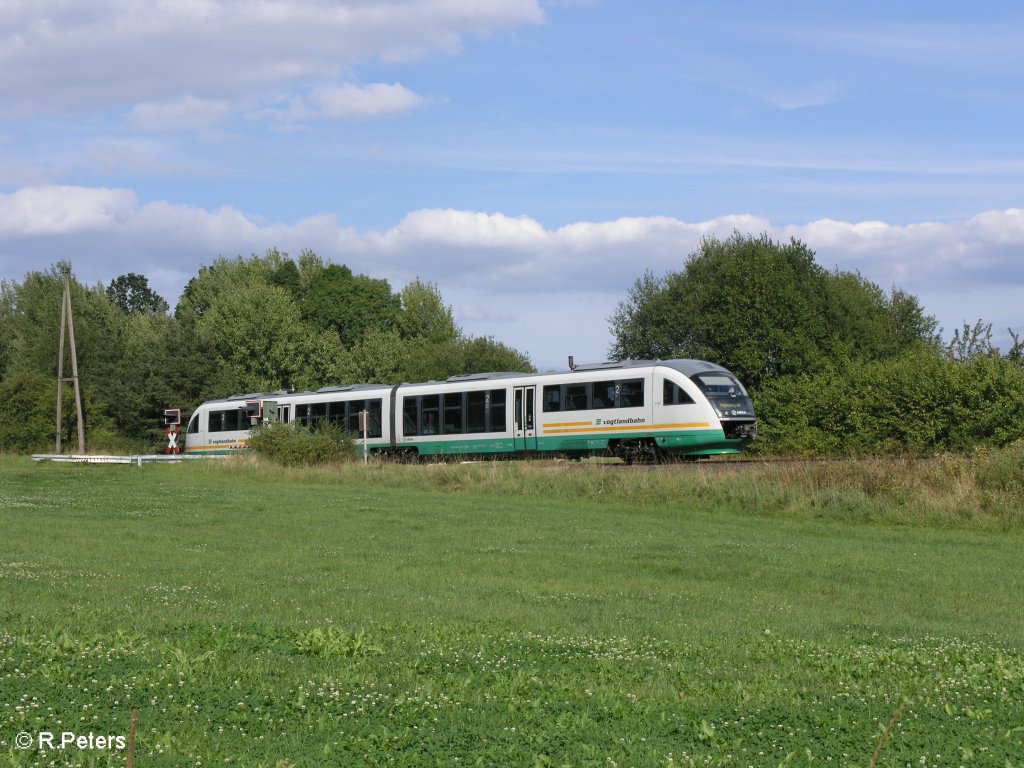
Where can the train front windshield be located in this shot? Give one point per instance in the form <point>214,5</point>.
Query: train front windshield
<point>725,393</point>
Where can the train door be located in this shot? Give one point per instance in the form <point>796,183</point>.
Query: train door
<point>284,413</point>
<point>525,419</point>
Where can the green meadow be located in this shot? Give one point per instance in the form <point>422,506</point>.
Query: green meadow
<point>528,614</point>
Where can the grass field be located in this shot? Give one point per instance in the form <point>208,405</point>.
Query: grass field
<point>510,615</point>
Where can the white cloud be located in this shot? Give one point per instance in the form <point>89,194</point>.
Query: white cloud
<point>45,211</point>
<point>465,229</point>
<point>58,57</point>
<point>960,254</point>
<point>353,102</point>
<point>346,102</point>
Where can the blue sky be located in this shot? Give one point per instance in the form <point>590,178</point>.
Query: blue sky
<point>532,158</point>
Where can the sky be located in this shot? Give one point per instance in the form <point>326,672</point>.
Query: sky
<point>531,157</point>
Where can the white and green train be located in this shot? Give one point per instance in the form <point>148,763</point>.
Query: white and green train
<point>630,409</point>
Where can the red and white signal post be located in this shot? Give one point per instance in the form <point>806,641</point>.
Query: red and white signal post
<point>172,421</point>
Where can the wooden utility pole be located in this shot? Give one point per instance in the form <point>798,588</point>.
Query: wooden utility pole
<point>67,321</point>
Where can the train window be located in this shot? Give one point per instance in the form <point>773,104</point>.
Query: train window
<point>226,421</point>
<point>430,414</point>
<point>575,397</point>
<point>317,413</point>
<point>476,411</point>
<point>498,410</point>
<point>193,425</point>
<point>336,412</point>
<point>410,420</point>
<point>453,406</point>
<point>604,394</point>
<point>352,419</point>
<point>552,399</point>
<point>673,394</point>
<point>716,384</point>
<point>302,414</point>
<point>375,408</point>
<point>631,393</point>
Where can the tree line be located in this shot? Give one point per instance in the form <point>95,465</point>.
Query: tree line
<point>257,324</point>
<point>835,364</point>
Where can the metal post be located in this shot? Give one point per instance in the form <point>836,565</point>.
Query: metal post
<point>364,425</point>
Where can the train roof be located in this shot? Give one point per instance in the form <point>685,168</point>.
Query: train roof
<point>347,388</point>
<point>688,367</point>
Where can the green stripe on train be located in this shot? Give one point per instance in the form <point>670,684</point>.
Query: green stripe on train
<point>695,442</point>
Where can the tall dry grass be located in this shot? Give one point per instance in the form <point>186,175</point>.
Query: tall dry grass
<point>982,491</point>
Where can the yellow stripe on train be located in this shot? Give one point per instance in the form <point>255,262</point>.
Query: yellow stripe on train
<point>577,428</point>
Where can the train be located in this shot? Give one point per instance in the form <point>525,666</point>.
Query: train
<point>633,410</point>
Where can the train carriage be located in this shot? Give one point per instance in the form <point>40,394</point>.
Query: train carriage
<point>630,409</point>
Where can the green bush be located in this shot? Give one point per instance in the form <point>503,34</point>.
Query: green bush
<point>292,445</point>
<point>28,406</point>
<point>999,476</point>
<point>993,393</point>
<point>919,403</point>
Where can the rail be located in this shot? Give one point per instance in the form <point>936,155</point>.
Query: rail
<point>137,459</point>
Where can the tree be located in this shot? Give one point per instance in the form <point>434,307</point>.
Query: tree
<point>8,310</point>
<point>220,279</point>
<point>764,309</point>
<point>132,294</point>
<point>28,401</point>
<point>384,357</point>
<point>128,363</point>
<point>379,357</point>
<point>424,315</point>
<point>912,326</point>
<point>155,371</point>
<point>484,354</point>
<point>31,319</point>
<point>347,303</point>
<point>286,275</point>
<point>243,326</point>
<point>971,342</point>
<point>1016,352</point>
<point>256,337</point>
<point>424,344</point>
<point>651,322</point>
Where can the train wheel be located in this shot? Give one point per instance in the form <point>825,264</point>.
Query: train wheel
<point>644,450</point>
